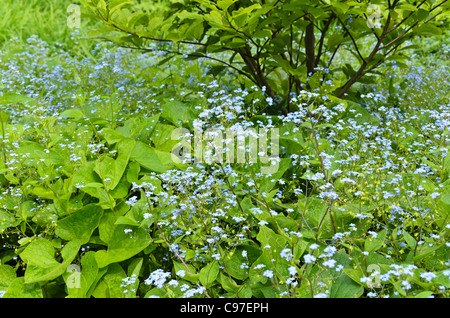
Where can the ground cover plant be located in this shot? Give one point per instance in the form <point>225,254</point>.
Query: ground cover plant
<point>94,204</point>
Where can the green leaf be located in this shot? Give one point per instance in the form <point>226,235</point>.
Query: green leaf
<point>89,271</point>
<point>233,263</point>
<point>148,128</point>
<point>421,14</point>
<point>12,98</point>
<point>164,137</point>
<point>228,284</point>
<point>41,262</point>
<point>112,136</point>
<point>80,224</point>
<point>109,284</point>
<point>190,275</point>
<point>20,289</point>
<point>7,220</point>
<point>133,172</point>
<point>72,113</point>
<point>354,274</point>
<point>178,113</point>
<point>409,240</point>
<point>208,274</point>
<point>4,117</point>
<point>447,160</point>
<point>113,169</point>
<point>424,294</point>
<point>85,175</point>
<point>268,237</point>
<point>7,275</point>
<point>372,244</point>
<point>121,245</point>
<point>444,205</point>
<point>125,220</point>
<point>345,287</point>
<point>148,158</point>
<point>428,29</point>
<point>225,4</point>
<point>116,5</point>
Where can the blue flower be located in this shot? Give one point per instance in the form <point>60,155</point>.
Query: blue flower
<point>268,273</point>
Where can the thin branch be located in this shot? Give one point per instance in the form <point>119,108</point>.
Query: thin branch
<point>360,71</point>
<point>351,37</point>
<point>407,17</point>
<point>415,24</point>
<point>193,55</point>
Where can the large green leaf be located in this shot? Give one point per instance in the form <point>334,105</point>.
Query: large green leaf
<point>372,244</point>
<point>87,180</point>
<point>162,137</point>
<point>111,169</point>
<point>208,274</point>
<point>266,236</point>
<point>41,262</point>
<point>34,151</point>
<point>85,280</point>
<point>149,158</point>
<point>108,285</point>
<point>7,275</point>
<point>7,220</point>
<point>190,273</point>
<point>343,286</point>
<point>20,289</point>
<point>80,224</point>
<point>139,128</point>
<point>121,245</point>
<point>444,205</point>
<point>12,98</point>
<point>178,113</point>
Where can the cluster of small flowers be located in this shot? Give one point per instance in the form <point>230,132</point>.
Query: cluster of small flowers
<point>159,278</point>
<point>129,281</point>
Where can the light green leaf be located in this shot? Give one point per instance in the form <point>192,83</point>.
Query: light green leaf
<point>112,136</point>
<point>268,237</point>
<point>225,4</point>
<point>72,113</point>
<point>354,274</point>
<point>85,175</point>
<point>372,244</point>
<point>20,289</point>
<point>7,220</point>
<point>41,262</point>
<point>190,275</point>
<point>80,224</point>
<point>148,157</point>
<point>208,274</point>
<point>12,98</point>
<point>345,287</point>
<point>178,113</point>
<point>89,271</point>
<point>121,245</point>
<point>7,275</point>
<point>111,170</point>
<point>108,285</point>
<point>409,240</point>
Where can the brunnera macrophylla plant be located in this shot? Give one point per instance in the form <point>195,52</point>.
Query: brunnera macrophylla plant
<point>285,46</point>
<point>92,204</point>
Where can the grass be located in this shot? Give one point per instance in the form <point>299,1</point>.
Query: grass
<point>46,19</point>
